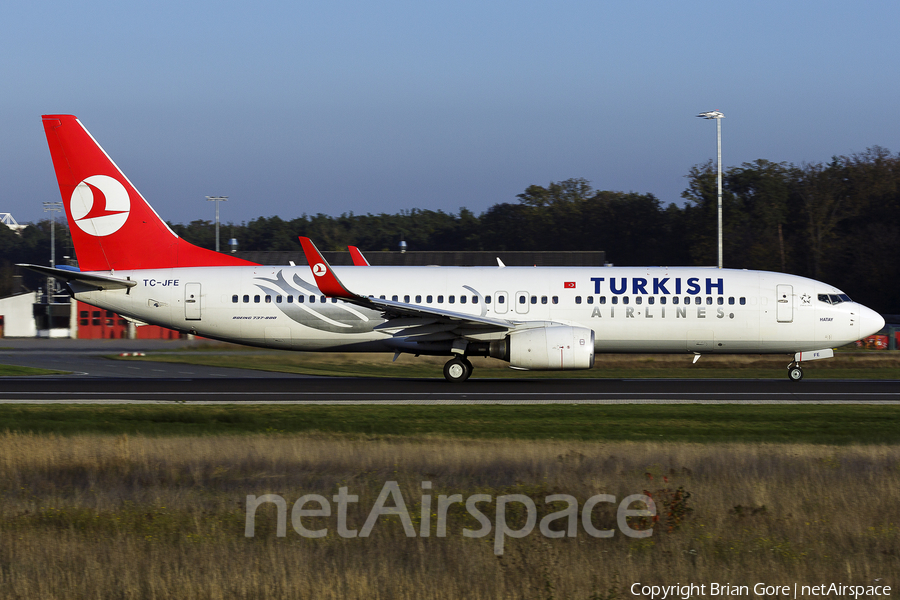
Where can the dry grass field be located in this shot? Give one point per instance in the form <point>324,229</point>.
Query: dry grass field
<point>92,516</point>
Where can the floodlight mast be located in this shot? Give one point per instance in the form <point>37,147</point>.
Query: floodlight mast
<point>52,208</point>
<point>217,199</point>
<point>718,116</point>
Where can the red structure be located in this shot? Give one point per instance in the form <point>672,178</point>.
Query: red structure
<point>95,324</point>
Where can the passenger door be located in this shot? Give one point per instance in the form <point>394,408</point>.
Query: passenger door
<point>784,303</point>
<point>192,301</point>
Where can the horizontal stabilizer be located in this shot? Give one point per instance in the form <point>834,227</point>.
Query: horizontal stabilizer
<point>100,282</point>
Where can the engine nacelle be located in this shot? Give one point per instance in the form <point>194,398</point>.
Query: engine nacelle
<point>547,348</point>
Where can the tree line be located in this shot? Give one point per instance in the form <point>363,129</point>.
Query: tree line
<point>835,221</point>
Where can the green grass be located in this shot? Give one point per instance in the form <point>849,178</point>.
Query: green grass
<point>818,424</point>
<point>17,371</point>
<point>873,365</point>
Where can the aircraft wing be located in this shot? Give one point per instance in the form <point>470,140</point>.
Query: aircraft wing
<point>422,323</point>
<point>91,280</point>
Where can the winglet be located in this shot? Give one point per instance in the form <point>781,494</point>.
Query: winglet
<point>326,280</point>
<point>357,257</point>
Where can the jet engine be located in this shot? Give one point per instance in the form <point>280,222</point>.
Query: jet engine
<point>547,348</point>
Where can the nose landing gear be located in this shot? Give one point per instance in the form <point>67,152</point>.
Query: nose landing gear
<point>795,372</point>
<point>457,369</point>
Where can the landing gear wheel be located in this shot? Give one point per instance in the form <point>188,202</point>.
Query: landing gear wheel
<point>795,373</point>
<point>457,369</point>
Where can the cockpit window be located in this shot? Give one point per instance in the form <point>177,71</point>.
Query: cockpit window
<point>834,298</point>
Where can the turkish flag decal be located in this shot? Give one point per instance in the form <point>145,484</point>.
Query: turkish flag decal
<point>569,285</point>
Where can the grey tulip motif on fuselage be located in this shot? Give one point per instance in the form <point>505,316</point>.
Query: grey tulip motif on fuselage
<point>309,309</point>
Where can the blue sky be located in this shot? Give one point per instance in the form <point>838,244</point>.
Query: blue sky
<point>340,106</point>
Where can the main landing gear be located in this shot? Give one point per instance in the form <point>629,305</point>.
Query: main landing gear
<point>457,369</point>
<point>795,372</point>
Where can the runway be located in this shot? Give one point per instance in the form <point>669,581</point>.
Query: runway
<point>97,380</point>
<point>322,390</point>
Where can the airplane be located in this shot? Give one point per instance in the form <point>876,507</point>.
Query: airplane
<point>534,318</point>
<point>712,114</point>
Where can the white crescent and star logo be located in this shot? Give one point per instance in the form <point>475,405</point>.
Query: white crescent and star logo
<point>100,205</point>
<point>319,270</point>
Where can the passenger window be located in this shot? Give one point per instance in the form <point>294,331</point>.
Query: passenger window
<point>625,300</point>
<point>522,300</point>
<point>534,299</point>
<point>743,301</point>
<point>418,299</point>
<point>662,299</point>
<point>268,299</point>
<point>394,298</point>
<point>234,298</point>
<point>256,299</point>
<point>475,300</point>
<point>300,299</point>
<point>440,299</point>
<point>246,298</point>
<point>543,299</point>
<point>312,299</point>
<point>709,299</point>
<point>638,299</point>
<point>334,300</point>
<point>651,300</point>
<point>590,299</point>
<point>577,299</point>
<point>429,299</point>
<point>698,300</point>
<point>462,299</point>
<point>555,300</point>
<point>406,298</point>
<point>451,299</point>
<point>720,300</point>
<point>278,299</point>
<point>290,299</point>
<point>614,299</point>
<point>501,299</point>
<point>487,300</point>
<point>675,300</point>
<point>731,300</point>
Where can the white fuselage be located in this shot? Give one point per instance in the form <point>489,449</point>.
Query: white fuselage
<point>649,309</point>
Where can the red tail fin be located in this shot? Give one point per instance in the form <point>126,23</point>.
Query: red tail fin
<point>112,225</point>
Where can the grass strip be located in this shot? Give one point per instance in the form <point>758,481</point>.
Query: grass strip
<point>815,424</point>
<point>17,371</point>
<point>883,367</point>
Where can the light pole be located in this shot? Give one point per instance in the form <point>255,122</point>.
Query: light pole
<point>217,199</point>
<point>52,208</point>
<point>718,116</point>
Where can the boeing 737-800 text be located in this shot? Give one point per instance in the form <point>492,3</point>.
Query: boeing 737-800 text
<point>537,318</point>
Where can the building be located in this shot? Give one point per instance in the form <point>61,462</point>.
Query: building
<point>17,315</point>
<point>93,323</point>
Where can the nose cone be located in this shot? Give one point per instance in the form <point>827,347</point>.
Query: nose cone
<point>869,322</point>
